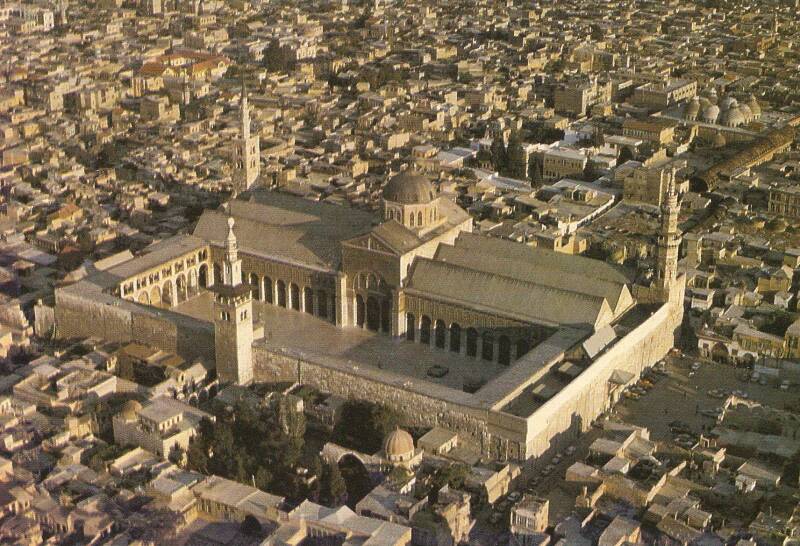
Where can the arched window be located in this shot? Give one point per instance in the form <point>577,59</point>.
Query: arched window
<point>308,296</point>
<point>322,305</point>
<point>487,351</point>
<point>295,296</point>
<point>504,350</point>
<point>419,218</point>
<point>522,347</point>
<point>412,219</point>
<point>425,330</point>
<point>410,326</point>
<point>360,311</point>
<point>472,342</point>
<point>440,334</point>
<point>267,290</point>
<point>455,337</point>
<point>254,282</point>
<point>281,287</point>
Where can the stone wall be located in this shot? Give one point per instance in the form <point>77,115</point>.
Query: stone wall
<point>111,319</point>
<point>555,423</point>
<point>573,409</point>
<point>342,378</point>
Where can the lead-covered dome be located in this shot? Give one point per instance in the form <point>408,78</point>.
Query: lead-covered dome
<point>398,446</point>
<point>408,188</point>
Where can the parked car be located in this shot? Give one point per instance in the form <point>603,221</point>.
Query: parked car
<point>514,496</point>
<point>695,366</point>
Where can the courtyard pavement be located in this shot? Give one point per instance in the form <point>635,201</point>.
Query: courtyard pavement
<point>304,333</point>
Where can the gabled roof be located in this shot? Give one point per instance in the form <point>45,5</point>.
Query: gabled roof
<point>536,267</point>
<point>510,250</point>
<point>506,296</point>
<point>391,236</point>
<point>287,228</point>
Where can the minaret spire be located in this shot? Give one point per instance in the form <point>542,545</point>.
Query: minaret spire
<point>232,267</point>
<point>247,149</point>
<point>668,239</point>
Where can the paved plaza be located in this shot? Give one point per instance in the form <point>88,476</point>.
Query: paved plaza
<point>301,332</point>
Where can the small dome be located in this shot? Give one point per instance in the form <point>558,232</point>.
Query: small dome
<point>719,140</point>
<point>732,117</point>
<point>755,108</point>
<point>692,109</point>
<point>398,445</point>
<point>746,112</point>
<point>130,409</point>
<point>711,113</point>
<point>408,188</point>
<point>727,103</point>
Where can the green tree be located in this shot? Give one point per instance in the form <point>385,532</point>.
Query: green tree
<point>499,155</point>
<point>363,425</point>
<point>336,486</point>
<point>315,469</point>
<point>515,155</point>
<point>263,478</point>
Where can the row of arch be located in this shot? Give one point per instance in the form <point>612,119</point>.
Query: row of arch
<point>467,341</point>
<point>173,291</point>
<point>319,302</point>
<point>374,313</point>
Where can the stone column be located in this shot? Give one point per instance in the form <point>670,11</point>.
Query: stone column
<point>341,316</point>
<point>462,348</point>
<point>275,292</point>
<point>447,339</point>
<point>302,293</point>
<point>479,347</point>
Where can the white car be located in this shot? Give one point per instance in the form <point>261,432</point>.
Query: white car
<point>695,366</point>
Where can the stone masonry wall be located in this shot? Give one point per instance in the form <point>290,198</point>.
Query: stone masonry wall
<point>415,408</point>
<point>113,320</point>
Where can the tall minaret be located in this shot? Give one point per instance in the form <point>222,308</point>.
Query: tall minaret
<point>247,151</point>
<point>668,240</point>
<point>233,318</point>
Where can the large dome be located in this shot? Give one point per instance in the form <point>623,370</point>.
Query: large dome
<point>398,445</point>
<point>408,188</point>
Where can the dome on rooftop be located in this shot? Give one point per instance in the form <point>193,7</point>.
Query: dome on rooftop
<point>692,109</point>
<point>398,446</point>
<point>130,409</point>
<point>711,114</point>
<point>727,103</point>
<point>719,140</point>
<point>409,188</point>
<point>755,108</point>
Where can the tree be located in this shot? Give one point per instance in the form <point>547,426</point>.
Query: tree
<point>263,478</point>
<point>499,155</point>
<point>515,157</point>
<point>364,425</point>
<point>315,491</point>
<point>336,487</point>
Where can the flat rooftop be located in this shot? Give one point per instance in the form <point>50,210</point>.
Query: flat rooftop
<point>299,332</point>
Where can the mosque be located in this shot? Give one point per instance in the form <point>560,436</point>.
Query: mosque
<point>557,337</point>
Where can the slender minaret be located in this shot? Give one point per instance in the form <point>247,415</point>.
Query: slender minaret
<point>668,240</point>
<point>233,318</point>
<point>247,151</point>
